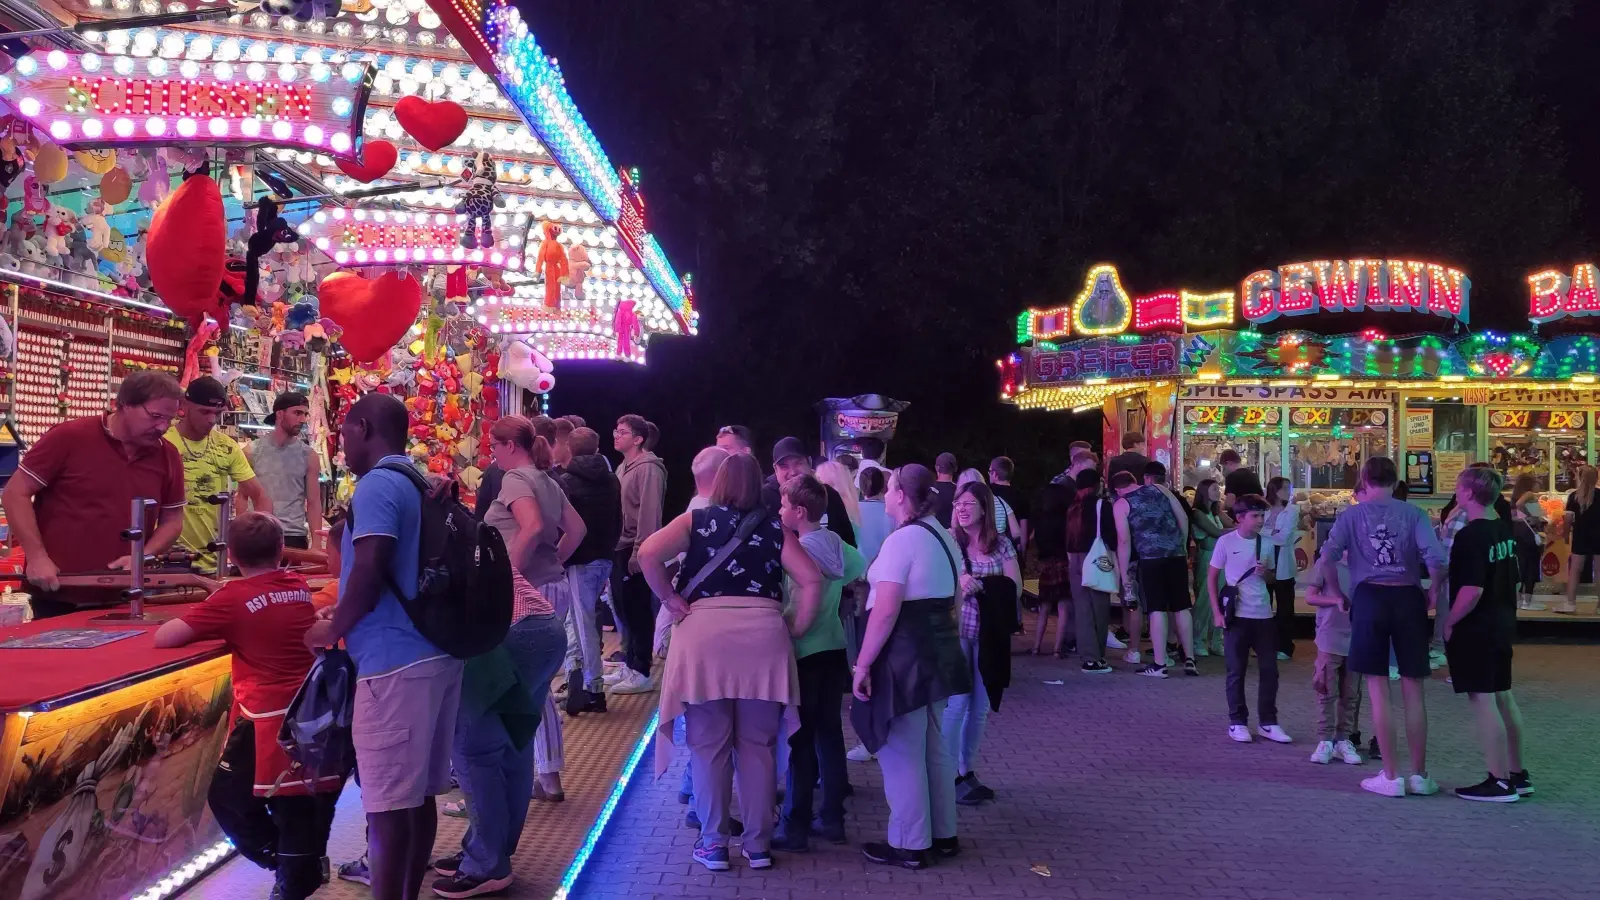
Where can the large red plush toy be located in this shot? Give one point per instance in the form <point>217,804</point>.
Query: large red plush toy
<point>552,262</point>
<point>375,313</point>
<point>185,250</point>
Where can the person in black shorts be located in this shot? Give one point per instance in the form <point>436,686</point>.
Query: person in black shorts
<point>1150,521</point>
<point>1478,634</point>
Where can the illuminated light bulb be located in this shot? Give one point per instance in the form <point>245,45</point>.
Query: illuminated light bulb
<point>400,255</point>
<point>281,130</point>
<point>187,127</point>
<point>217,127</point>
<point>255,72</point>
<point>122,65</point>
<point>257,51</point>
<point>92,128</point>
<point>359,215</point>
<point>341,257</point>
<point>338,214</point>
<point>30,106</point>
<point>284,53</point>
<point>351,72</point>
<point>395,67</point>
<point>383,84</point>
<point>287,73</point>
<point>223,71</point>
<point>320,72</point>
<point>342,29</point>
<point>61,129</point>
<point>380,256</point>
<point>304,158</point>
<point>200,47</point>
<point>189,69</point>
<point>172,45</point>
<point>56,59</point>
<point>408,86</point>
<point>428,19</point>
<point>361,256</point>
<point>340,142</point>
<point>250,127</point>
<point>322,243</point>
<point>122,127</point>
<point>394,15</point>
<point>155,126</point>
<point>228,50</point>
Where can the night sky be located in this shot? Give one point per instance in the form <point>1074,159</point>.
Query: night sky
<point>868,194</point>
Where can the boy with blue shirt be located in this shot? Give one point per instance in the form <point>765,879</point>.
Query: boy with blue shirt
<point>407,689</point>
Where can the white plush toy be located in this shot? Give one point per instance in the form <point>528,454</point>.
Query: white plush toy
<point>95,222</point>
<point>526,367</point>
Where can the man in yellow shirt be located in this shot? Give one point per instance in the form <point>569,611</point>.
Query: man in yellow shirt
<point>212,462</point>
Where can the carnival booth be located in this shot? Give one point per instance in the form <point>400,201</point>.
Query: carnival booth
<point>394,196</point>
<point>1313,403</point>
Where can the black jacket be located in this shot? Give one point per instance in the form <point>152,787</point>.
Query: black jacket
<point>838,516</point>
<point>596,496</point>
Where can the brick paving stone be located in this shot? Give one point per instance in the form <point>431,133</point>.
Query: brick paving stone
<point>1129,787</point>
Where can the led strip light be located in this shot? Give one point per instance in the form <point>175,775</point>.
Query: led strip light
<point>188,874</point>
<point>598,830</point>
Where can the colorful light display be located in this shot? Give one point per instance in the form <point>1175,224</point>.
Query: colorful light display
<point>1103,308</point>
<point>1106,358</point>
<point>1391,285</point>
<point>106,101</point>
<point>1554,295</point>
<point>379,237</point>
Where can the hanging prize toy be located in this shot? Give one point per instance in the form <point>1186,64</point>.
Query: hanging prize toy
<point>478,205</point>
<point>551,263</point>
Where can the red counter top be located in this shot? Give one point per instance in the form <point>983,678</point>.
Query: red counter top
<point>42,679</point>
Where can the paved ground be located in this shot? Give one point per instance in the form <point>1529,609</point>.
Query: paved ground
<point>1119,786</point>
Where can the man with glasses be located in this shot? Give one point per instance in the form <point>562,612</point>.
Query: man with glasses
<point>734,439</point>
<point>212,462</point>
<point>642,478</point>
<point>69,501</point>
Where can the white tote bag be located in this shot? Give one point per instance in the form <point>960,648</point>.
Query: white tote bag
<point>1099,567</point>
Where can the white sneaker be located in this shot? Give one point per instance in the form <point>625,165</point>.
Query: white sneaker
<point>1240,733</point>
<point>860,753</point>
<point>1274,733</point>
<point>1534,605</point>
<point>633,683</point>
<point>615,676</point>
<point>1348,752</point>
<point>1387,787</point>
<point>1323,754</point>
<point>1113,644</point>
<point>1132,656</point>
<point>1421,785</point>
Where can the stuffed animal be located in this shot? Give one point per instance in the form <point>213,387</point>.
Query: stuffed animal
<point>551,263</point>
<point>271,230</point>
<point>629,331</point>
<point>34,201</point>
<point>95,222</point>
<point>34,260</point>
<point>478,205</point>
<point>526,367</point>
<point>11,162</point>
<point>59,224</point>
<point>298,267</point>
<point>577,270</point>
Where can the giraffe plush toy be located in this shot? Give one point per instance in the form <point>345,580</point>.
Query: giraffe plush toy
<point>478,205</point>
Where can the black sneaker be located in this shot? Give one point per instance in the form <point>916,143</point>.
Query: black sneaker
<point>832,832</point>
<point>1122,634</point>
<point>448,866</point>
<point>1097,667</point>
<point>597,702</point>
<point>1372,750</point>
<point>1190,668</point>
<point>691,819</point>
<point>683,799</point>
<point>885,855</point>
<point>1523,782</point>
<point>1490,790</point>
<point>946,848</point>
<point>790,838</point>
<point>1152,670</point>
<point>467,886</point>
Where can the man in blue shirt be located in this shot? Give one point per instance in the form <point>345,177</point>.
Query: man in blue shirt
<point>405,709</point>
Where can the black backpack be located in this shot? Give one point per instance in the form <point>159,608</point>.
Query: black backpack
<point>316,730</point>
<point>464,595</point>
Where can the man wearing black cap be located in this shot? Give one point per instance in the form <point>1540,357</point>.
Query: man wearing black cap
<point>289,470</point>
<point>212,462</point>
<point>790,460</point>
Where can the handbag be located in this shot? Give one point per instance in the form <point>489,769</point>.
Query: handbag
<point>1228,596</point>
<point>1099,567</point>
<point>748,523</point>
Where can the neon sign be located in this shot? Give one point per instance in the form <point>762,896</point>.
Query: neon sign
<point>1554,295</point>
<point>1102,307</point>
<point>108,101</point>
<point>1384,285</point>
<point>379,237</point>
<point>1107,358</point>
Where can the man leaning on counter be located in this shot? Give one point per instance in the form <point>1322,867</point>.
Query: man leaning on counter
<point>70,499</point>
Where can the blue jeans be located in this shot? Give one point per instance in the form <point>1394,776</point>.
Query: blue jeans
<point>965,715</point>
<point>496,775</point>
<point>585,583</point>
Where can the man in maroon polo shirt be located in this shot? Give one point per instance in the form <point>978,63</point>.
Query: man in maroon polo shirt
<point>70,499</point>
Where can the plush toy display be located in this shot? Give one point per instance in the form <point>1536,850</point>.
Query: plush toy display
<point>50,164</point>
<point>526,367</point>
<point>625,323</point>
<point>184,250</point>
<point>115,186</point>
<point>94,221</point>
<point>551,263</point>
<point>577,270</point>
<point>271,230</point>
<point>434,125</point>
<point>95,162</point>
<point>377,158</point>
<point>478,205</point>
<point>375,314</point>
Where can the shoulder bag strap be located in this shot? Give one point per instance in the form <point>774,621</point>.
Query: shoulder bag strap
<point>955,572</point>
<point>748,523</point>
<point>421,485</point>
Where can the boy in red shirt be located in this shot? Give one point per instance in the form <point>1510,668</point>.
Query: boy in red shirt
<point>274,818</point>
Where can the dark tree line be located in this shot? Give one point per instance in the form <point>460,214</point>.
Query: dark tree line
<point>868,193</point>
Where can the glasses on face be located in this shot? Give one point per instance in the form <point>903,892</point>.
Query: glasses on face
<point>159,416</point>
<point>622,432</point>
<point>967,505</point>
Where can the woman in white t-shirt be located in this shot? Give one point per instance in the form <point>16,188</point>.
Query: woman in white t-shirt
<point>910,662</point>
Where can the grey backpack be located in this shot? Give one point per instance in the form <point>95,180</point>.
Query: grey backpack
<point>316,728</point>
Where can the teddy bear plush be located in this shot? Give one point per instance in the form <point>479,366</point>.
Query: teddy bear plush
<point>59,224</point>
<point>551,263</point>
<point>94,221</point>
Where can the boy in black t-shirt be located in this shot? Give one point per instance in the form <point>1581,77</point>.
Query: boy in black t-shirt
<point>1478,633</point>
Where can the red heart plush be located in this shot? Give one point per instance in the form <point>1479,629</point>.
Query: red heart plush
<point>435,125</point>
<point>185,249</point>
<point>377,158</point>
<point>375,313</point>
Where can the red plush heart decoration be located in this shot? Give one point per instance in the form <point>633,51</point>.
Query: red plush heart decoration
<point>375,313</point>
<point>185,249</point>
<point>435,125</point>
<point>377,158</point>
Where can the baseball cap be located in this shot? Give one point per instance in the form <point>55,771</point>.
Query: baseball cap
<point>789,446</point>
<point>207,391</point>
<point>286,400</point>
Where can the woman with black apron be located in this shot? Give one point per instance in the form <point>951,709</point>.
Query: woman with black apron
<point>909,663</point>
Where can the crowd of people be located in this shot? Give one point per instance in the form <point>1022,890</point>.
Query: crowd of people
<point>776,595</point>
